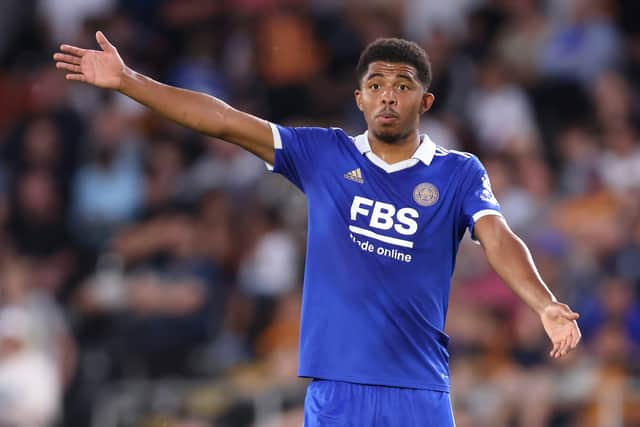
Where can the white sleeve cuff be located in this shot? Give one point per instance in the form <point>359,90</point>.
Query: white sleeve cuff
<point>485,212</point>
<point>480,214</point>
<point>277,143</point>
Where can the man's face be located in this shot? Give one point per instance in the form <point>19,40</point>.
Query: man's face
<point>392,100</point>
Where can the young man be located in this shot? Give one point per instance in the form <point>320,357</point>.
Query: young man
<point>387,210</point>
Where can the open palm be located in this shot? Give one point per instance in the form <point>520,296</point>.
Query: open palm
<point>102,68</point>
<point>560,325</point>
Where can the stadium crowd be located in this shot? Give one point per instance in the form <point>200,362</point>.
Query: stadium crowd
<point>150,276</point>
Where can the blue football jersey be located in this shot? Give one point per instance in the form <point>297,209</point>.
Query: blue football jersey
<point>381,248</point>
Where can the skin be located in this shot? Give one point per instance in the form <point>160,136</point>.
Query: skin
<point>392,100</point>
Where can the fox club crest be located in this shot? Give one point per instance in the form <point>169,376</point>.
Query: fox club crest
<point>426,194</point>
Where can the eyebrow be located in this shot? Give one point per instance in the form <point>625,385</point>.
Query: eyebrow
<point>402,76</point>
<point>372,75</point>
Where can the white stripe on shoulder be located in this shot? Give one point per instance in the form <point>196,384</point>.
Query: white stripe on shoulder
<point>441,151</point>
<point>485,212</point>
<point>461,153</point>
<point>277,141</point>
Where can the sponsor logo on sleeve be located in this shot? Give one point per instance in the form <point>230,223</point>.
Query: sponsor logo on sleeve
<point>486,194</point>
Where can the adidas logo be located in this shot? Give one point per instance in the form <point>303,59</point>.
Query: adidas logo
<point>354,175</point>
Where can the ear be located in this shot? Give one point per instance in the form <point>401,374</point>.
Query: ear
<point>358,96</point>
<point>427,101</point>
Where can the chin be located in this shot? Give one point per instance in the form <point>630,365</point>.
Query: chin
<point>387,136</point>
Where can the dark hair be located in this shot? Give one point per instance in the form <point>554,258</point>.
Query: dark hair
<point>395,50</point>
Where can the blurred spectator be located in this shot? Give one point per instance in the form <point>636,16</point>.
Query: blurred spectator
<point>522,40</point>
<point>613,100</point>
<point>580,154</point>
<point>37,228</point>
<point>13,25</point>
<point>30,388</point>
<point>514,201</point>
<point>620,164</point>
<point>170,299</point>
<point>287,76</point>
<point>107,191</point>
<point>174,254</point>
<point>37,351</point>
<point>421,17</point>
<point>268,269</point>
<point>614,302</point>
<point>65,19</point>
<point>500,113</point>
<point>197,71</point>
<point>164,182</point>
<point>454,77</point>
<point>48,332</point>
<point>584,46</point>
<point>224,167</point>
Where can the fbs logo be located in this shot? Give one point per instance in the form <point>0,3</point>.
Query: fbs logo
<point>355,175</point>
<point>384,216</point>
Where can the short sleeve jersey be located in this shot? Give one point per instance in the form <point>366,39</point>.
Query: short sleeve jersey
<point>381,248</point>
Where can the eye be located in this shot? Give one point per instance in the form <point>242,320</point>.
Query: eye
<point>403,86</point>
<point>374,86</point>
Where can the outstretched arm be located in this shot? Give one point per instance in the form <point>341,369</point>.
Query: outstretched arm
<point>511,259</point>
<point>200,112</point>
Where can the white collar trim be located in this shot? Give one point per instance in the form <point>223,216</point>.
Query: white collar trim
<point>424,153</point>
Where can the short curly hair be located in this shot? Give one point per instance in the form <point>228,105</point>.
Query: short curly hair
<point>395,50</point>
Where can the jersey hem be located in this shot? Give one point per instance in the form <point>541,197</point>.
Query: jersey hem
<point>380,382</point>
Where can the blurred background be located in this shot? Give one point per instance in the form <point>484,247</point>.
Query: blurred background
<point>150,276</point>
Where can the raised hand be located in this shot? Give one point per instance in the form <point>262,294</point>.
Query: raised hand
<point>103,68</point>
<point>560,325</point>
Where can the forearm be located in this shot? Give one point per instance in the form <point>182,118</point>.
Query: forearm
<point>198,111</point>
<point>510,258</point>
<point>201,112</point>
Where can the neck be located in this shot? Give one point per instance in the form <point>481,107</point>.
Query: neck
<point>401,149</point>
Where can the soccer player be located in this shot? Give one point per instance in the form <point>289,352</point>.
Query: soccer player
<point>387,210</point>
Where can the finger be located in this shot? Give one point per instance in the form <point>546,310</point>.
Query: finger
<point>77,77</point>
<point>73,50</point>
<point>567,313</point>
<point>572,315</point>
<point>576,338</point>
<point>67,58</point>
<point>558,348</point>
<point>569,344</point>
<point>103,42</point>
<point>554,350</point>
<point>564,347</point>
<point>69,67</point>
<point>558,352</point>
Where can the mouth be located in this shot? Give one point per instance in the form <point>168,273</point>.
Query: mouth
<point>387,116</point>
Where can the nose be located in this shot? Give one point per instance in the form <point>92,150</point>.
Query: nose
<point>389,97</point>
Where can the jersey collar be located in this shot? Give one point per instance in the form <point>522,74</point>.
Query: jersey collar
<point>424,153</point>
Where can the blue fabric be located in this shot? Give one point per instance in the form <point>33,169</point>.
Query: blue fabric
<point>380,255</point>
<point>343,404</point>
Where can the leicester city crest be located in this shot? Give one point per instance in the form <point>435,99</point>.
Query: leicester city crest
<point>426,194</point>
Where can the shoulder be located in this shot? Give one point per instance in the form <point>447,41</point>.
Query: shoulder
<point>455,158</point>
<point>313,133</point>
